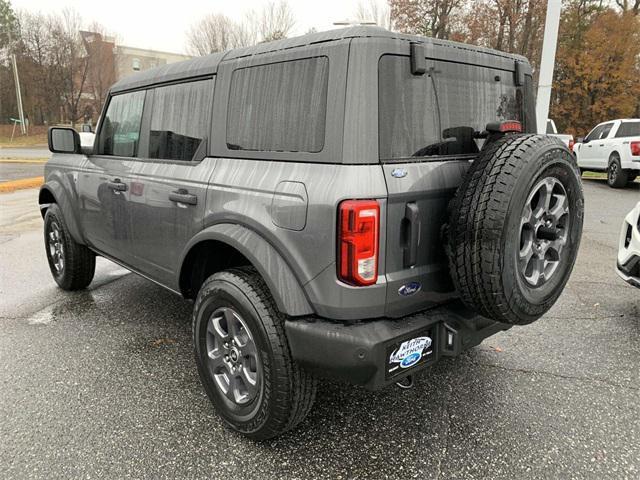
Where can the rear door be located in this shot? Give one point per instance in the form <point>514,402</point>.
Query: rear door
<point>169,180</point>
<point>427,126</point>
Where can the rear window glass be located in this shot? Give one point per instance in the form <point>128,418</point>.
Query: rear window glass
<point>279,107</point>
<point>437,113</point>
<point>180,120</point>
<point>120,132</point>
<point>628,129</point>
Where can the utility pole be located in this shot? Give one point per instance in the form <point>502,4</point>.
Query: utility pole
<point>547,63</point>
<point>16,78</point>
<point>23,127</point>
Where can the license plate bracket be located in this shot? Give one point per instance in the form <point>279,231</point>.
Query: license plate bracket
<point>410,352</point>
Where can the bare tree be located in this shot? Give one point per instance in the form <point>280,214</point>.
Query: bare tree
<point>372,11</point>
<point>214,33</point>
<point>275,21</point>
<point>70,61</point>
<point>432,18</point>
<point>629,6</point>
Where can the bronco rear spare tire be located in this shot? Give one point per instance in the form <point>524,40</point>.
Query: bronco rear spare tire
<point>514,228</point>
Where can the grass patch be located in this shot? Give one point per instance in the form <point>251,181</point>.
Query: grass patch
<point>35,140</point>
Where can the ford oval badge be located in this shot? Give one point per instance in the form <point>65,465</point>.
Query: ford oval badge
<point>399,173</point>
<point>409,289</point>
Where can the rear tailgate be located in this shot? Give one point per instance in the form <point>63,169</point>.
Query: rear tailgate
<point>427,126</point>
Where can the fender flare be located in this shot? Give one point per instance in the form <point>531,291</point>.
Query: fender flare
<point>280,279</point>
<point>66,206</point>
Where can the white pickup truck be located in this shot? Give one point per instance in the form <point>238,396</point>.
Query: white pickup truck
<point>566,138</point>
<point>614,147</point>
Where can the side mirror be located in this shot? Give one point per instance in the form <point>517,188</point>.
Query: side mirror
<point>63,140</point>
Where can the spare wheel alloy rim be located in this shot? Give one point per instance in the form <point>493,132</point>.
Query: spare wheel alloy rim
<point>544,230</point>
<point>233,357</point>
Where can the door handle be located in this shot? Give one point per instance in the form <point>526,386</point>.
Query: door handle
<point>589,146</point>
<point>601,145</point>
<point>411,223</point>
<point>117,185</point>
<point>183,196</point>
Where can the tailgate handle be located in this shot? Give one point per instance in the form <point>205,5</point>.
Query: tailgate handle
<point>411,234</point>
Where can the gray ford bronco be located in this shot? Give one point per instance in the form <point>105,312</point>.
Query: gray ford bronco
<point>353,204</point>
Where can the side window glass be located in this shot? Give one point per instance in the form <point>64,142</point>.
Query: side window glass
<point>279,106</point>
<point>628,129</point>
<point>595,133</point>
<point>180,120</point>
<point>606,130</point>
<point>549,128</point>
<point>120,131</point>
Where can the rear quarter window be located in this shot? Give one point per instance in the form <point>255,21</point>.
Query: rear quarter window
<point>279,107</point>
<point>628,129</point>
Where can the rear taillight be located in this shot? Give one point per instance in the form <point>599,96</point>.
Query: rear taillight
<point>572,142</point>
<point>358,230</point>
<point>635,149</point>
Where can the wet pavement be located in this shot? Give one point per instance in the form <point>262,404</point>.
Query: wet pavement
<point>25,152</point>
<point>18,171</point>
<point>102,383</point>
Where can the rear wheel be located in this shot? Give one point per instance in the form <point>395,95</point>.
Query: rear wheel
<point>616,176</point>
<point>243,357</point>
<point>72,264</point>
<point>514,228</point>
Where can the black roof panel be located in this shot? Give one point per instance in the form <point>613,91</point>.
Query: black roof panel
<point>208,65</point>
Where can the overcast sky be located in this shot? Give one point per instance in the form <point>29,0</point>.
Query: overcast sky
<point>161,25</point>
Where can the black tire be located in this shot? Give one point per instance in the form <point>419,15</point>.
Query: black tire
<point>72,264</point>
<point>489,264</point>
<point>283,393</point>
<point>616,176</point>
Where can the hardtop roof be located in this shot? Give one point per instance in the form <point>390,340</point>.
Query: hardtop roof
<point>208,64</point>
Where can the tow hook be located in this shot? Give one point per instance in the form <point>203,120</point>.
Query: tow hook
<point>406,383</point>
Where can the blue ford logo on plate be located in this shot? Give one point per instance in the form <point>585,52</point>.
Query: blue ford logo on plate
<point>409,289</point>
<point>399,173</point>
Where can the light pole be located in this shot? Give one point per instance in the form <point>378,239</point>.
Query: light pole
<point>547,63</point>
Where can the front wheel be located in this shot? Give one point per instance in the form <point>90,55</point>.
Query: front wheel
<point>72,264</point>
<point>243,357</point>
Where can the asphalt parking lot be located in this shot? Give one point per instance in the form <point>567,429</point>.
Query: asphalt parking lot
<point>102,383</point>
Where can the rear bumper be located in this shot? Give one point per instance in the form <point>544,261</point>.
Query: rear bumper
<point>369,353</point>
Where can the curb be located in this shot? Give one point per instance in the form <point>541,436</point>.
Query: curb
<point>12,186</point>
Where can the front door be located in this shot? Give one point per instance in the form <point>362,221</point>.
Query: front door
<point>587,155</point>
<point>104,180</point>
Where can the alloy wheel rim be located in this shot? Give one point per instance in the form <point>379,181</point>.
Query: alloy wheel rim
<point>56,247</point>
<point>613,171</point>
<point>233,357</point>
<point>544,231</point>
